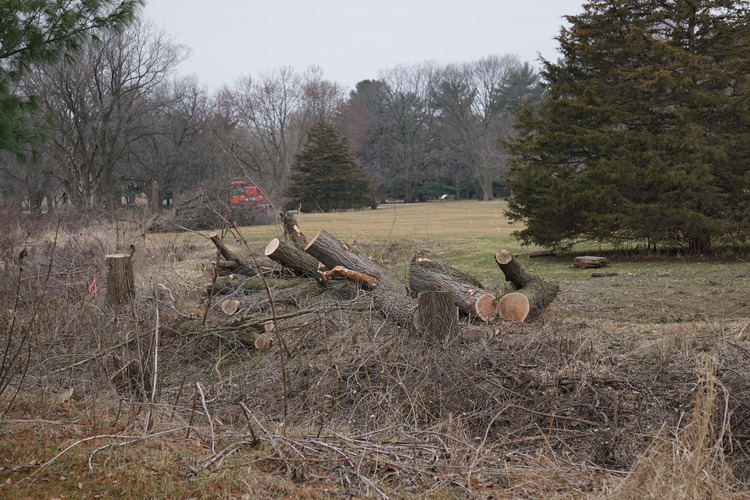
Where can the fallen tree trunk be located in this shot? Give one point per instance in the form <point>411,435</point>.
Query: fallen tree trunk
<point>236,264</point>
<point>539,293</point>
<point>332,252</point>
<point>388,294</point>
<point>299,262</point>
<point>427,275</point>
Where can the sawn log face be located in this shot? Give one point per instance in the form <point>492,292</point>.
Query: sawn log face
<point>426,275</point>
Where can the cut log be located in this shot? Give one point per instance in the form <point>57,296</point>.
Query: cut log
<point>590,262</point>
<point>514,306</point>
<point>427,275</point>
<point>539,292</point>
<point>438,267</point>
<point>512,270</point>
<point>436,316</point>
<point>230,306</point>
<point>332,252</point>
<point>292,231</point>
<point>264,341</point>
<point>120,280</point>
<point>299,262</point>
<point>486,306</point>
<point>242,266</point>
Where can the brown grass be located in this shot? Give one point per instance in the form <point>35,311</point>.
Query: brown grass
<point>606,393</point>
<point>688,462</point>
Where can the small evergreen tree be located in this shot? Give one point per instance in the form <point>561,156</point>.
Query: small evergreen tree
<point>644,133</point>
<point>325,176</point>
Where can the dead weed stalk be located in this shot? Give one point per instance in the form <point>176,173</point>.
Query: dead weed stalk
<point>689,463</point>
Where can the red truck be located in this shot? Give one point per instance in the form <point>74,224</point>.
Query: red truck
<point>242,193</point>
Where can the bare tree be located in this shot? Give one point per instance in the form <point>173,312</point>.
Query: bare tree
<point>272,113</point>
<point>179,154</point>
<point>101,107</point>
<point>477,103</point>
<point>400,122</point>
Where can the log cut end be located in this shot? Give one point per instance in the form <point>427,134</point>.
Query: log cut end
<point>311,243</point>
<point>230,307</point>
<point>514,306</point>
<point>503,257</point>
<point>271,247</point>
<point>263,341</point>
<point>485,306</point>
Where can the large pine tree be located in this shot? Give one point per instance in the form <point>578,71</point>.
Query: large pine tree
<point>325,176</point>
<point>644,133</point>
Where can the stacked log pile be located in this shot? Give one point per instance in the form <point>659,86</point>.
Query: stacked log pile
<point>430,306</point>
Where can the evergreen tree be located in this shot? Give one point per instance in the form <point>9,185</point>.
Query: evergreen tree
<point>36,32</point>
<point>644,133</point>
<point>325,176</point>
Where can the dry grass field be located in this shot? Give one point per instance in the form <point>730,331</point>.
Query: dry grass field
<point>629,386</point>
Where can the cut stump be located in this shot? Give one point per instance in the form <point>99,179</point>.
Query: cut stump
<point>120,280</point>
<point>436,316</point>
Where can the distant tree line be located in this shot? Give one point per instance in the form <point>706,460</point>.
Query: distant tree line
<point>112,118</point>
<point>640,132</point>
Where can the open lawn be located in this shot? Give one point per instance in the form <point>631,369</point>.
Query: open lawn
<point>629,386</point>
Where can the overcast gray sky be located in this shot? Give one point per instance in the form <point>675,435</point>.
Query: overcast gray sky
<point>351,40</point>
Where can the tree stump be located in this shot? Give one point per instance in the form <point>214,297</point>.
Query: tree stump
<point>120,280</point>
<point>436,316</point>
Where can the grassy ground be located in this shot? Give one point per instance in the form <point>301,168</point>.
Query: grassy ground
<point>631,345</point>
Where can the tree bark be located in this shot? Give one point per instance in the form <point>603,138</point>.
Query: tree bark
<point>427,275</point>
<point>120,280</point>
<point>300,263</point>
<point>539,292</point>
<point>235,264</point>
<point>436,316</point>
<point>292,231</point>
<point>388,294</point>
<point>332,252</point>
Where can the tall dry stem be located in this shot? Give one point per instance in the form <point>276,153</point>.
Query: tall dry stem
<point>689,464</point>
